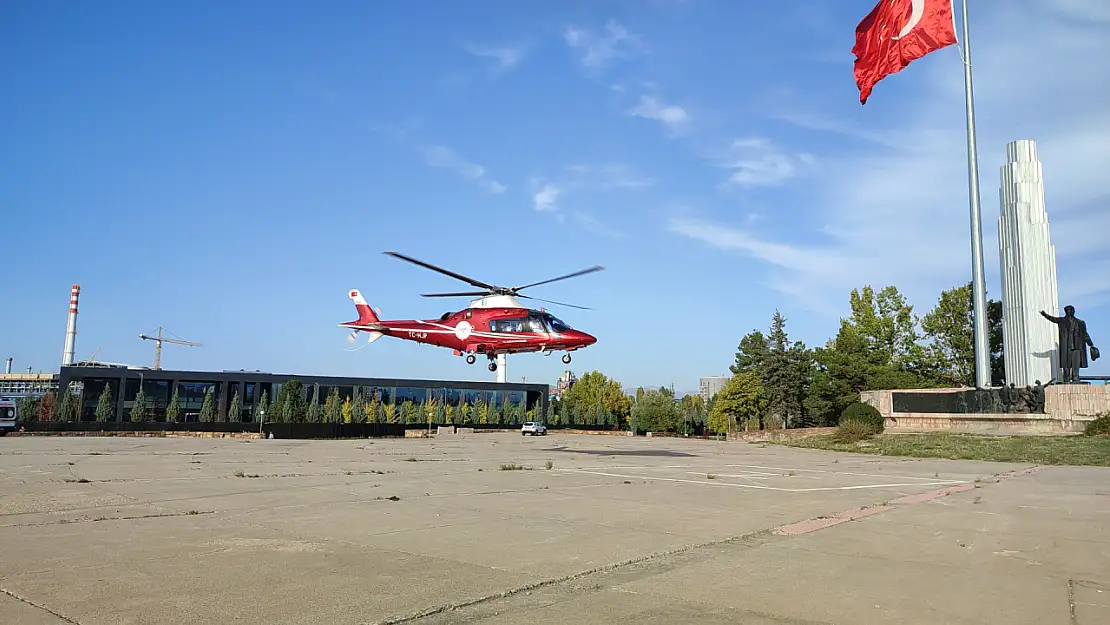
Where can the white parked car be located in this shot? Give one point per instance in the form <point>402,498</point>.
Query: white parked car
<point>533,429</point>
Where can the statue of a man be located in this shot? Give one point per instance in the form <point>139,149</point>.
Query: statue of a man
<point>1072,347</point>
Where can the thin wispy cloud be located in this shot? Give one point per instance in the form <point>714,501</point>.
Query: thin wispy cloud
<point>591,224</point>
<point>605,176</point>
<point>674,117</point>
<point>596,50</point>
<point>504,58</point>
<point>544,199</point>
<point>444,157</point>
<point>756,162</point>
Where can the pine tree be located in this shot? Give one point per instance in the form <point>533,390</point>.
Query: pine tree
<point>389,412</point>
<point>291,406</point>
<point>333,407</point>
<point>47,406</point>
<point>28,409</point>
<point>104,405</point>
<point>65,407</point>
<point>139,413</point>
<point>235,412</point>
<point>779,376</point>
<point>208,408</point>
<point>103,411</point>
<point>750,354</point>
<point>441,413</point>
<point>173,410</point>
<point>274,410</point>
<point>359,409</point>
<point>261,407</point>
<point>312,415</point>
<point>345,410</point>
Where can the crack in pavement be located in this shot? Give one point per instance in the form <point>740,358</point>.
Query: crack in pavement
<point>116,518</point>
<point>38,605</point>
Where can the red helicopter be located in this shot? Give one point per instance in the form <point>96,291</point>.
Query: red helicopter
<point>494,325</point>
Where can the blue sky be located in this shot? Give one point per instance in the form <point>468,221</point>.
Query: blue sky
<point>228,170</point>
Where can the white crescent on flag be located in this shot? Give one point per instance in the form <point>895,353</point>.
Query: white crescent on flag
<point>915,17</point>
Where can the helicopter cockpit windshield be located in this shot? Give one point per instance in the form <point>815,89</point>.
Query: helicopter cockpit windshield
<point>555,324</point>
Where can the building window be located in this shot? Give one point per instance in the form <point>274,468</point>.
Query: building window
<point>191,396</point>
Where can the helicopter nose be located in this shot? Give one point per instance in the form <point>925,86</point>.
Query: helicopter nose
<point>585,339</point>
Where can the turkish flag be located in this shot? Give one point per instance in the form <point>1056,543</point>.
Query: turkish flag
<point>897,32</point>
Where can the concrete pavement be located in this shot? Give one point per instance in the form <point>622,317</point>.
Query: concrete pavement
<point>479,529</point>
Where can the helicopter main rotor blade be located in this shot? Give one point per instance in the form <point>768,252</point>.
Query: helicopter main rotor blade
<point>569,275</point>
<point>462,294</point>
<point>457,276</point>
<point>540,299</point>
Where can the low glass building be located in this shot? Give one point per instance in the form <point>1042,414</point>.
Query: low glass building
<point>390,400</point>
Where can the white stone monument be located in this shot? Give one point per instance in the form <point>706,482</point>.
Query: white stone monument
<point>1028,267</point>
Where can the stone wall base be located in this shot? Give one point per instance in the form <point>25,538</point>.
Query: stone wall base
<point>790,434</point>
<point>147,434</point>
<point>999,424</point>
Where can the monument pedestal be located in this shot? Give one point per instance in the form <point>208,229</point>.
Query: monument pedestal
<point>1068,409</point>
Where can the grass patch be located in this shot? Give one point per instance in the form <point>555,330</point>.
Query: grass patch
<point>854,432</point>
<point>514,467</point>
<point>548,465</point>
<point>1059,450</point>
<point>1098,427</point>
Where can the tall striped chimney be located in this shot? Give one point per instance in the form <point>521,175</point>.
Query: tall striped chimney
<point>71,327</point>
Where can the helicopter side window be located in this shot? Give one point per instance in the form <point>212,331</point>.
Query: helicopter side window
<point>535,323</point>
<point>507,325</point>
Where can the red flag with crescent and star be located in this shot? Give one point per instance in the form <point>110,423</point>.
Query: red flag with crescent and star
<point>897,32</point>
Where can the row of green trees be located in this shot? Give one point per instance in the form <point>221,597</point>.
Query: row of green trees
<point>294,405</point>
<point>882,344</point>
<point>290,406</point>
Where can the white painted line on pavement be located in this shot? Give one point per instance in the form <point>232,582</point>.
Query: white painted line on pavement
<point>708,482</point>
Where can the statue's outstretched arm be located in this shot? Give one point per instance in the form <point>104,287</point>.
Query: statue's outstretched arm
<point>1050,317</point>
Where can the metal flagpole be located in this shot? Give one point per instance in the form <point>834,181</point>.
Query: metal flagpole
<point>978,282</point>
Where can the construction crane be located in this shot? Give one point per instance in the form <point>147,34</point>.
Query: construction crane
<point>159,339</point>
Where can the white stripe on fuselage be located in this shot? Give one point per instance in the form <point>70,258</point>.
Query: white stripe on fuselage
<point>446,329</point>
